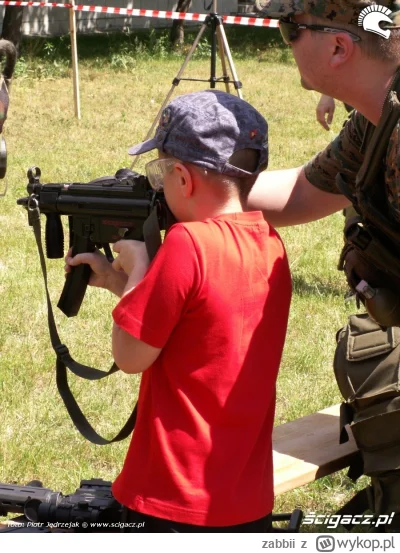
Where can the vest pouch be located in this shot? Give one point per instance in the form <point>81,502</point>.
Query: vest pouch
<point>366,362</point>
<point>385,497</point>
<point>376,433</point>
<point>366,366</point>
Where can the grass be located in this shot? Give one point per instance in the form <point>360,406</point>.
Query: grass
<point>123,82</point>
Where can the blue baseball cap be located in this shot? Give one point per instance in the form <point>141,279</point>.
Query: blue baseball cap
<point>207,128</point>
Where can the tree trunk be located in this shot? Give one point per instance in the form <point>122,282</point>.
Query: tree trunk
<point>177,35</point>
<point>12,25</point>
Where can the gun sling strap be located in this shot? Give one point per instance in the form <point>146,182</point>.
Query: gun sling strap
<point>151,232</point>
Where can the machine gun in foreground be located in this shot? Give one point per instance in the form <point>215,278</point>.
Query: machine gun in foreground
<point>91,508</point>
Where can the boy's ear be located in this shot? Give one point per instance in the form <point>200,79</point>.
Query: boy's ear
<point>185,184</point>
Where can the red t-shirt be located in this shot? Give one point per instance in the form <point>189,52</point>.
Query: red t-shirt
<point>216,300</point>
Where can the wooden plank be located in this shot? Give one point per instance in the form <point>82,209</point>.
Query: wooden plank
<point>308,448</point>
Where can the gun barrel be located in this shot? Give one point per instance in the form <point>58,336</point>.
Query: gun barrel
<point>13,497</point>
<point>91,502</point>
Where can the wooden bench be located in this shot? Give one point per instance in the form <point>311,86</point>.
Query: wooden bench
<point>308,448</point>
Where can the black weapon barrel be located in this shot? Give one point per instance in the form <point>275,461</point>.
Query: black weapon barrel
<point>92,502</point>
<point>13,498</point>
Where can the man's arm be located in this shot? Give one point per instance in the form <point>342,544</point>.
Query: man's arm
<point>287,198</point>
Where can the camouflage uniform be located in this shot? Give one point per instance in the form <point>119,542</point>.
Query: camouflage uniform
<point>345,155</point>
<point>345,11</point>
<point>372,398</point>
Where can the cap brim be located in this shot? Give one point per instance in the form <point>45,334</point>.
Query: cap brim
<point>275,9</point>
<point>143,147</point>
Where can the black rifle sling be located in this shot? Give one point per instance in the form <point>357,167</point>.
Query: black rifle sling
<point>64,358</point>
<point>161,217</point>
<point>151,232</point>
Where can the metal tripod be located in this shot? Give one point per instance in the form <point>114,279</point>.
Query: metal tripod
<point>219,43</point>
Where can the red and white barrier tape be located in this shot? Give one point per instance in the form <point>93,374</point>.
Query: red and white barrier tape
<point>230,19</point>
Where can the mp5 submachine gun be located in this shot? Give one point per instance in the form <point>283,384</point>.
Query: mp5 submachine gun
<point>99,212</point>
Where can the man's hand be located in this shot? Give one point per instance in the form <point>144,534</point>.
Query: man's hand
<point>325,110</point>
<point>103,274</point>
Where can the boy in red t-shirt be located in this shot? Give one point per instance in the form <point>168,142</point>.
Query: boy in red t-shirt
<point>205,323</point>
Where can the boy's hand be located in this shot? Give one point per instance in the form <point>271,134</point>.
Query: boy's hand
<point>103,275</point>
<point>132,256</point>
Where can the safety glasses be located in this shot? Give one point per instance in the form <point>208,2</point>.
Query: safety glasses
<point>156,171</point>
<point>290,30</point>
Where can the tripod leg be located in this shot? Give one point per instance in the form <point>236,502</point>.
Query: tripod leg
<point>175,83</point>
<point>221,51</point>
<point>237,83</point>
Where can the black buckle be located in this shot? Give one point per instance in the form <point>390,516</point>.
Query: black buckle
<point>61,350</point>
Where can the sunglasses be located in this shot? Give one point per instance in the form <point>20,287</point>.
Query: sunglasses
<point>156,171</point>
<point>290,30</point>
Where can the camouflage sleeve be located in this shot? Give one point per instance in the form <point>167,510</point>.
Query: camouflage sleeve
<point>392,172</point>
<point>341,155</point>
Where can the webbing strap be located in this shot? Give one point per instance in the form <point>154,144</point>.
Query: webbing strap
<point>151,233</point>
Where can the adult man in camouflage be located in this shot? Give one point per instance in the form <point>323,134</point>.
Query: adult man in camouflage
<point>337,57</point>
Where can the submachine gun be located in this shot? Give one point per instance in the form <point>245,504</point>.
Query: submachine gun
<point>99,212</point>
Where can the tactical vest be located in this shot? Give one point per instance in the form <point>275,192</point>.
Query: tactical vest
<point>372,250</point>
<point>367,358</point>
